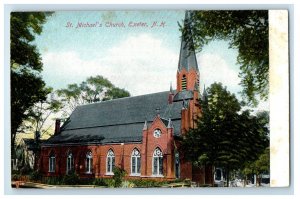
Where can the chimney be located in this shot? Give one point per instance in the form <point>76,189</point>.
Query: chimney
<point>57,127</point>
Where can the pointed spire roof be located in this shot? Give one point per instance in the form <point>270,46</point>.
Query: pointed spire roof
<point>204,94</point>
<point>187,57</point>
<point>171,88</point>
<point>145,126</point>
<point>170,125</point>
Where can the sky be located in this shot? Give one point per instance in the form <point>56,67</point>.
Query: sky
<point>126,48</point>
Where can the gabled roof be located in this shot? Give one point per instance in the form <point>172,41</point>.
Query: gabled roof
<point>187,57</point>
<point>118,120</point>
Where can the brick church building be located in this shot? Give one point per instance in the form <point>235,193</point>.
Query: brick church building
<point>139,134</point>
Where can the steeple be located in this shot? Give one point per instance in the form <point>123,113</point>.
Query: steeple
<point>145,126</point>
<point>170,125</point>
<point>171,89</point>
<point>188,75</point>
<point>171,95</point>
<point>187,57</point>
<point>204,95</point>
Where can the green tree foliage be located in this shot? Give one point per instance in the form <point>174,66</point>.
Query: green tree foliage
<point>27,86</point>
<point>41,112</point>
<point>247,31</point>
<point>94,89</point>
<point>260,166</point>
<point>225,137</point>
<point>119,174</point>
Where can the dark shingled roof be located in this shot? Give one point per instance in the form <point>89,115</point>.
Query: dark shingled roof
<point>119,120</point>
<point>183,95</point>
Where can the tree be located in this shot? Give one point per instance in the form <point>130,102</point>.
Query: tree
<point>41,113</point>
<point>247,31</point>
<point>27,86</point>
<point>94,89</point>
<point>39,122</point>
<point>225,137</point>
<point>258,167</point>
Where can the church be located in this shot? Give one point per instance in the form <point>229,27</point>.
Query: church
<point>139,134</point>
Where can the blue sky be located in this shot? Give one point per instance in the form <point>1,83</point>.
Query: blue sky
<point>140,59</point>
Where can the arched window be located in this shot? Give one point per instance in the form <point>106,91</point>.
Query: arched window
<point>157,162</point>
<point>135,162</point>
<point>89,162</point>
<point>70,162</point>
<point>183,82</point>
<point>110,162</point>
<point>52,162</point>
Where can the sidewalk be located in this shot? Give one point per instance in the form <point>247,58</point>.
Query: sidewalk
<point>21,184</point>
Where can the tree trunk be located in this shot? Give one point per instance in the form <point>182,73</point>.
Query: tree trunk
<point>213,177</point>
<point>205,174</point>
<point>227,177</point>
<point>13,142</point>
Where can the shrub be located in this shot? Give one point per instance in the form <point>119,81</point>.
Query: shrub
<point>35,176</point>
<point>54,180</point>
<point>87,181</point>
<point>187,181</point>
<point>127,184</point>
<point>100,182</point>
<point>25,170</point>
<point>147,183</point>
<point>71,179</point>
<point>118,176</point>
<point>110,182</point>
<point>15,177</point>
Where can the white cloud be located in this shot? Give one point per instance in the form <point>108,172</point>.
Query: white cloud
<point>214,68</point>
<point>140,64</point>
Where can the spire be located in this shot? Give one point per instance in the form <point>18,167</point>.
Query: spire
<point>145,126</point>
<point>171,89</point>
<point>187,57</point>
<point>171,95</point>
<point>170,124</point>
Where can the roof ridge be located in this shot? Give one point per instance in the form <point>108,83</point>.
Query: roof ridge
<point>119,99</point>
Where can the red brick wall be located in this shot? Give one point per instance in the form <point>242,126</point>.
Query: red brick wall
<point>79,153</point>
<point>164,142</point>
<point>192,77</point>
<point>122,155</point>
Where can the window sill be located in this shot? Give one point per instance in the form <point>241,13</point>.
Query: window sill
<point>157,176</point>
<point>88,173</point>
<point>109,174</point>
<point>135,174</point>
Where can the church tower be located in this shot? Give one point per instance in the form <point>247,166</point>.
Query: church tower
<point>188,75</point>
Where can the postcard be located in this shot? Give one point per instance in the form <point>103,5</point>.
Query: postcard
<point>157,98</point>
